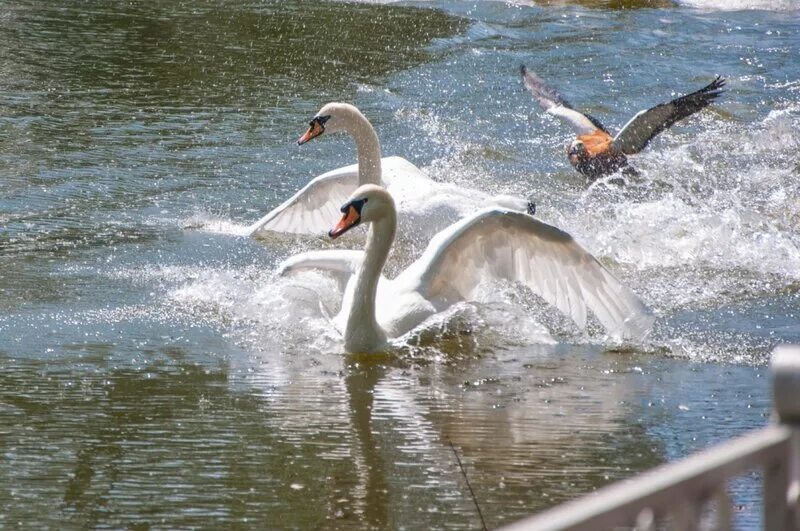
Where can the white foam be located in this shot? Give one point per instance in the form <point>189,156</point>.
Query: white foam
<point>215,224</point>
<point>739,5</point>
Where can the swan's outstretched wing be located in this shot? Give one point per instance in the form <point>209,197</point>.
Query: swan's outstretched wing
<point>553,103</point>
<point>316,205</point>
<point>504,244</point>
<point>311,210</point>
<point>640,129</point>
<point>338,263</point>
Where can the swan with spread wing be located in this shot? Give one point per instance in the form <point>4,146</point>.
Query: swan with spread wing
<point>432,204</point>
<point>595,153</point>
<point>494,243</point>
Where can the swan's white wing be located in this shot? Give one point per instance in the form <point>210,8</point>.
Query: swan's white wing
<point>338,263</point>
<point>640,129</point>
<point>503,244</point>
<point>314,208</point>
<point>554,103</point>
<point>397,169</point>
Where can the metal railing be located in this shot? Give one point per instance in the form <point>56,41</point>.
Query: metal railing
<point>692,493</point>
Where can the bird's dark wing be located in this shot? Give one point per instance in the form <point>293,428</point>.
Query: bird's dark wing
<point>553,103</point>
<point>640,129</point>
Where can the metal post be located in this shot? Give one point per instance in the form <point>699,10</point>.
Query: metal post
<point>776,485</point>
<point>782,480</point>
<point>793,497</point>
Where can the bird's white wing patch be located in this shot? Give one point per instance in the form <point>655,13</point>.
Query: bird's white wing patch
<point>554,103</point>
<point>503,244</point>
<point>579,121</point>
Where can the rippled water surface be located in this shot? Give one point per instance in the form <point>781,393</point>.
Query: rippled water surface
<point>155,373</point>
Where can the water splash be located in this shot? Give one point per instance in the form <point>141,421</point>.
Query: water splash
<point>738,5</point>
<point>215,224</point>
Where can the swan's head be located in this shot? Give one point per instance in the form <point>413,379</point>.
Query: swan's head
<point>576,151</point>
<point>331,118</point>
<point>368,203</point>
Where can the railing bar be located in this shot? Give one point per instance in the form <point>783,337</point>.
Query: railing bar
<point>646,520</point>
<point>684,515</point>
<point>793,494</point>
<point>776,485</point>
<point>698,475</point>
<point>722,504</point>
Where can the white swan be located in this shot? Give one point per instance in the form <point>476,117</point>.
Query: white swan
<point>310,209</point>
<point>491,244</point>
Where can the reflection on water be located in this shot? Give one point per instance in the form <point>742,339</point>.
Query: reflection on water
<point>159,376</point>
<point>183,443</point>
<point>332,443</point>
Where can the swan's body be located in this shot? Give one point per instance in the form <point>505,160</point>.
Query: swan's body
<point>491,244</point>
<point>310,210</point>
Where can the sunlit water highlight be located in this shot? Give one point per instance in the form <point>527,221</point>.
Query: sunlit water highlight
<point>157,373</point>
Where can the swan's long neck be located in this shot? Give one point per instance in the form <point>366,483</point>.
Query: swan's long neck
<point>368,148</point>
<point>363,334</point>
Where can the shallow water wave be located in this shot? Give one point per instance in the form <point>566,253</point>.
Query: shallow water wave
<point>215,224</point>
<point>736,5</point>
<point>267,313</point>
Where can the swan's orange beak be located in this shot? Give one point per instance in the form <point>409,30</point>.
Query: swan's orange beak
<point>315,130</point>
<point>348,221</point>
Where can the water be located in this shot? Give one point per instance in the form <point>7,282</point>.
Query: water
<point>157,374</point>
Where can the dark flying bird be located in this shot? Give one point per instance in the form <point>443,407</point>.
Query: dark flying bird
<point>595,152</point>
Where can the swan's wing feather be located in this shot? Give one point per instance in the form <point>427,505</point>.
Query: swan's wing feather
<point>503,244</point>
<point>396,168</point>
<point>554,103</point>
<point>314,208</point>
<point>340,264</point>
<point>643,127</point>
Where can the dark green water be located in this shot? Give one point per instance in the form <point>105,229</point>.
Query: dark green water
<point>154,373</point>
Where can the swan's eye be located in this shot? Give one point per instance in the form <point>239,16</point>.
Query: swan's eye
<point>315,128</point>
<point>357,204</point>
<point>319,121</point>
